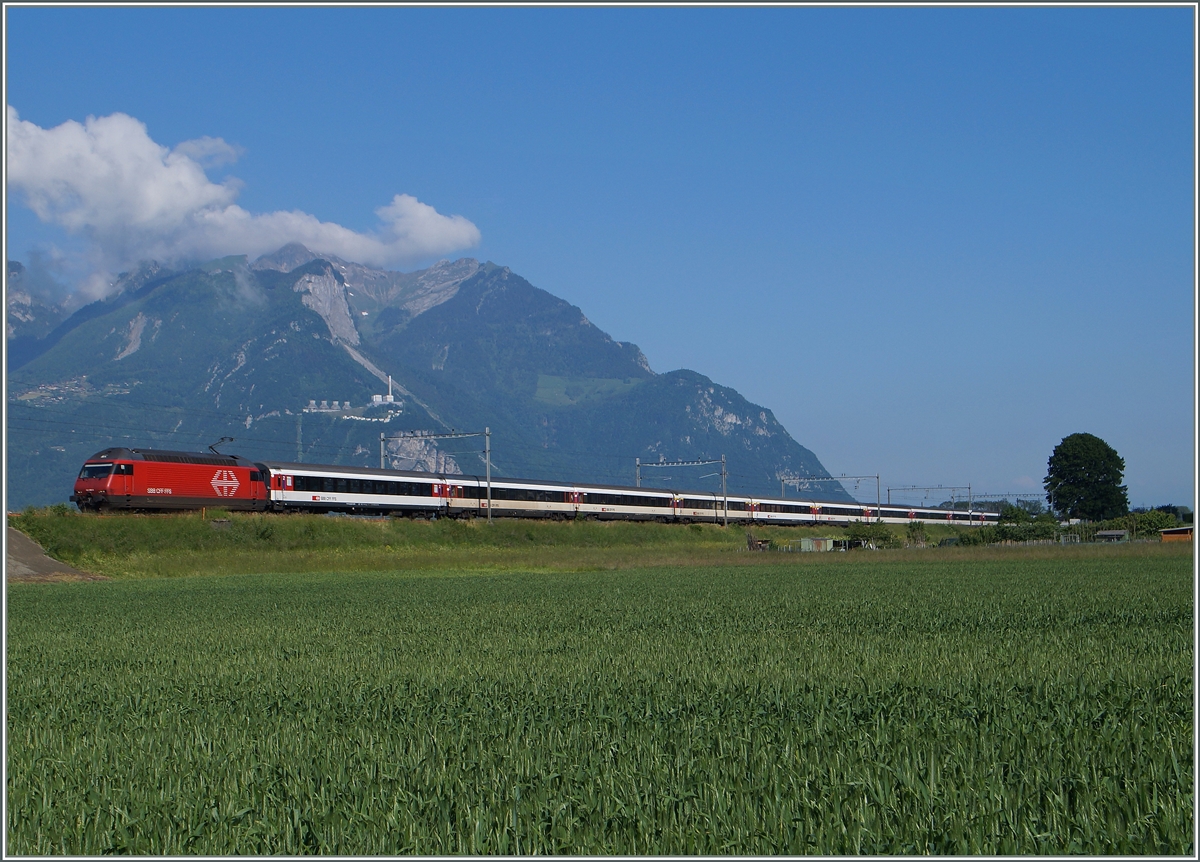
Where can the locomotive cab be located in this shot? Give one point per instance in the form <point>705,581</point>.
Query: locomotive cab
<point>103,483</point>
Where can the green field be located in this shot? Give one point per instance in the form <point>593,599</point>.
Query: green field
<point>1017,700</point>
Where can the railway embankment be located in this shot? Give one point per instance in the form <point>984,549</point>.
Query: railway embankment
<point>217,542</point>
<point>26,561</point>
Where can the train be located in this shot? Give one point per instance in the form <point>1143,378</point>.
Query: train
<point>156,480</point>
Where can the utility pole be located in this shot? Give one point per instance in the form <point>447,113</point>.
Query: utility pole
<point>637,471</point>
<point>486,434</point>
<point>381,467</point>
<point>842,478</point>
<point>299,441</point>
<point>724,494</point>
<point>951,488</point>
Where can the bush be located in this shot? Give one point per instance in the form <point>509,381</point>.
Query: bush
<point>1027,532</point>
<point>875,534</point>
<point>976,535</point>
<point>1143,525</point>
<point>1014,515</point>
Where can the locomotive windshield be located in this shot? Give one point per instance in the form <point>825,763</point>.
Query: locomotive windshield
<point>95,471</point>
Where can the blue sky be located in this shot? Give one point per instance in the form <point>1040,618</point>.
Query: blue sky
<point>933,241</point>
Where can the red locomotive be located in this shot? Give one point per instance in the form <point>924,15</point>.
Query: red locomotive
<point>158,479</point>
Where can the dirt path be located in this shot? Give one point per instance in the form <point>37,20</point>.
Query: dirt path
<point>26,562</point>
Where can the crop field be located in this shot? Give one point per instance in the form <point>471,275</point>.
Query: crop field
<point>1024,700</point>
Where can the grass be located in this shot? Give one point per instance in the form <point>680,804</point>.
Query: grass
<point>1017,700</point>
<point>128,546</point>
<point>125,546</point>
<point>562,391</point>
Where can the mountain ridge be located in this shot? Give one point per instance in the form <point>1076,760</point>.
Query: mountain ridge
<point>252,350</point>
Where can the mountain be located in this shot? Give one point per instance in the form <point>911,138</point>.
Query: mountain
<point>291,355</point>
<point>29,317</point>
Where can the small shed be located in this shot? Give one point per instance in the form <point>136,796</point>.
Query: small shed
<point>1177,534</point>
<point>1112,535</point>
<point>816,544</point>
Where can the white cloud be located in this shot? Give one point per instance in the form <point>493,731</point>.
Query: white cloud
<point>210,152</point>
<point>106,179</point>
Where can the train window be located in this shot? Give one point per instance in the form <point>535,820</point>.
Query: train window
<point>782,508</point>
<point>626,500</point>
<point>525,495</point>
<point>327,483</point>
<point>96,471</point>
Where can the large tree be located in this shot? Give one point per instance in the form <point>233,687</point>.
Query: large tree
<point>1084,479</point>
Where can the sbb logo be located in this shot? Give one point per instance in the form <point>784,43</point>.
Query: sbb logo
<point>225,483</point>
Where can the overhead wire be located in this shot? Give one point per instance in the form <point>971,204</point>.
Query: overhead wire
<point>31,422</point>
